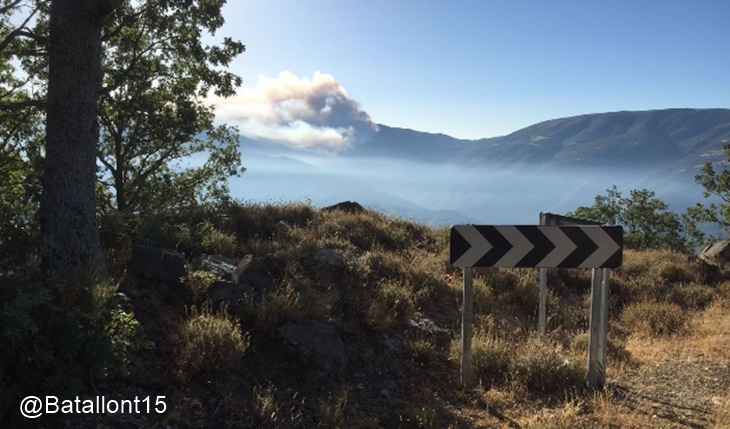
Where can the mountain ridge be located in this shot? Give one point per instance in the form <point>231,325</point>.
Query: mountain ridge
<point>555,165</point>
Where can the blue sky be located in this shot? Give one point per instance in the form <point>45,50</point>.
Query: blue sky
<point>475,69</point>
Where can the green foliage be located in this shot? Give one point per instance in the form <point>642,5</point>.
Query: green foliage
<point>209,341</point>
<point>57,336</point>
<point>647,221</point>
<point>156,72</point>
<point>420,352</point>
<point>199,282</point>
<point>716,185</point>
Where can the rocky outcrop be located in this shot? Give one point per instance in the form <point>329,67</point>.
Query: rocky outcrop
<point>345,206</point>
<point>316,344</point>
<point>222,266</point>
<point>164,265</point>
<point>717,253</point>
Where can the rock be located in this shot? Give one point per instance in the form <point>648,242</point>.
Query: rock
<point>228,292</point>
<point>345,206</point>
<point>711,274</point>
<point>555,281</point>
<point>331,289</point>
<point>165,265</point>
<point>281,228</point>
<point>250,272</point>
<point>221,266</point>
<point>329,257</point>
<point>325,265</point>
<point>717,253</point>
<point>316,344</point>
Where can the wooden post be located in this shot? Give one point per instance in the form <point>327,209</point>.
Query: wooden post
<point>596,369</point>
<point>467,319</point>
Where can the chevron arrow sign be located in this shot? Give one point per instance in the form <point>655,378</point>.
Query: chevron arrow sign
<point>536,246</point>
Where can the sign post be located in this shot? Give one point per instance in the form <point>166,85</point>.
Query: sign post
<point>544,246</point>
<point>466,321</point>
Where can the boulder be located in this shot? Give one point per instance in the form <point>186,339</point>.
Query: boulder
<point>325,265</point>
<point>228,292</point>
<point>165,265</point>
<point>345,206</point>
<point>220,265</point>
<point>316,344</point>
<point>251,273</point>
<point>717,253</point>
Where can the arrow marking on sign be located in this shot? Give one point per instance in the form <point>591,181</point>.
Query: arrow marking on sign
<point>479,246</point>
<point>521,246</point>
<point>607,246</point>
<point>563,247</point>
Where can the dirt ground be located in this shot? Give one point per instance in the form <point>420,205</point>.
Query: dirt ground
<point>680,382</point>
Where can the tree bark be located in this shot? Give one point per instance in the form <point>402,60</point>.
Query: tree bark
<point>68,203</point>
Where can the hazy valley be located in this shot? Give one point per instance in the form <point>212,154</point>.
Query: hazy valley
<point>553,166</point>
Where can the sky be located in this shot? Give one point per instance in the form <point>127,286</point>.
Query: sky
<point>320,73</point>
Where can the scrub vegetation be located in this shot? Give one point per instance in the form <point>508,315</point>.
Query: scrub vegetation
<point>394,303</point>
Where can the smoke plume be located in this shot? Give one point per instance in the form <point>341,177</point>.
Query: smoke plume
<point>312,114</point>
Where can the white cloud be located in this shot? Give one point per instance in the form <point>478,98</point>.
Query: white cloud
<point>313,114</point>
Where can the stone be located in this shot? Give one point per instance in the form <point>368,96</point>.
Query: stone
<point>228,292</point>
<point>345,206</point>
<point>220,265</point>
<point>251,273</point>
<point>316,344</point>
<point>165,265</point>
<point>281,228</point>
<point>717,253</point>
<point>329,257</point>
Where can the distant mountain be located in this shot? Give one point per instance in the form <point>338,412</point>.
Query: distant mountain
<point>555,165</point>
<point>655,138</point>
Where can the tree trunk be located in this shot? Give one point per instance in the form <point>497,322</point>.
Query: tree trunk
<point>68,204</point>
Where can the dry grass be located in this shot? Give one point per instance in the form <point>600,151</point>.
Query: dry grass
<point>394,271</point>
<point>708,335</point>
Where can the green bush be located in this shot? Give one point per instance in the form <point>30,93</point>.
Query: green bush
<point>59,335</point>
<point>209,341</point>
<point>420,352</point>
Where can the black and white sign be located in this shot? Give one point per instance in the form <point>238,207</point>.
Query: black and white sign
<point>536,246</point>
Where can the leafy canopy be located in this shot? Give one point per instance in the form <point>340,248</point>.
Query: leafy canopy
<point>647,221</point>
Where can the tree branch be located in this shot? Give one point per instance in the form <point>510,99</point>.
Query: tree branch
<point>21,30</point>
<point>18,105</point>
<point>9,7</point>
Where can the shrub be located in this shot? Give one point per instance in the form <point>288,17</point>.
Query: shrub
<point>58,335</point>
<point>491,357</point>
<point>692,296</point>
<point>278,308</point>
<point>209,341</point>
<point>420,352</point>
<point>211,240</point>
<point>616,348</point>
<point>259,220</point>
<point>392,301</point>
<point>545,367</point>
<point>198,282</point>
<point>654,318</point>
